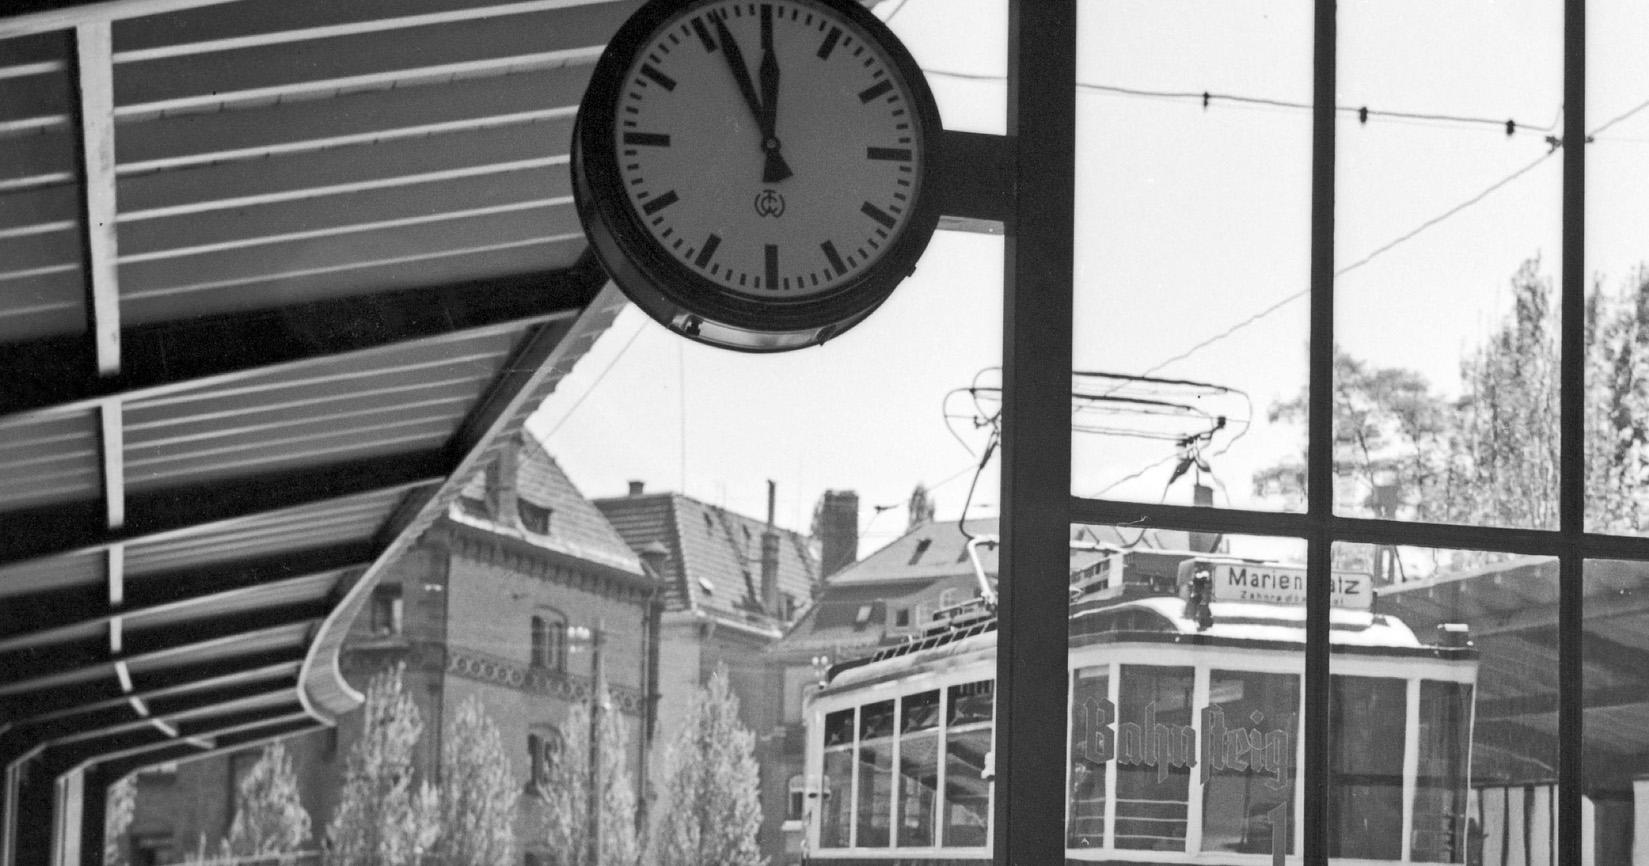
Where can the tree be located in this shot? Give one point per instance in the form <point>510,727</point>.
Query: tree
<point>565,790</point>
<point>479,793</point>
<point>269,816</point>
<point>712,809</point>
<point>1492,456</point>
<point>382,819</point>
<point>117,818</point>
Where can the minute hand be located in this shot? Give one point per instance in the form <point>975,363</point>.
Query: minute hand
<point>741,75</point>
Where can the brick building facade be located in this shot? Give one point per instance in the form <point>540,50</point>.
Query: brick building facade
<point>491,603</point>
<point>732,584</point>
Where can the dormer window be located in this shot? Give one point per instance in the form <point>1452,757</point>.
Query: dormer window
<point>534,518</point>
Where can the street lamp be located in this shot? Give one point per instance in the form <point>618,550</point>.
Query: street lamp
<point>593,636</point>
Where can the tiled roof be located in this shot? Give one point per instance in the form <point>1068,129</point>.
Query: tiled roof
<point>576,527</point>
<point>715,554</point>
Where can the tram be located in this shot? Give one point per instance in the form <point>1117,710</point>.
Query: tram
<point>1185,700</point>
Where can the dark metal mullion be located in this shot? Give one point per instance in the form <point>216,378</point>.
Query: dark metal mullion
<point>1029,810</point>
<point>1320,432</point>
<point>1572,454</point>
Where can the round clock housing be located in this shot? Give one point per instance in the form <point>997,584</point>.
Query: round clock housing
<point>752,174</point>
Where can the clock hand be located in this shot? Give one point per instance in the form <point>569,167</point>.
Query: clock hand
<point>735,61</point>
<point>775,169</point>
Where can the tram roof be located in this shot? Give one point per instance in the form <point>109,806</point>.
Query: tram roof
<point>279,276</point>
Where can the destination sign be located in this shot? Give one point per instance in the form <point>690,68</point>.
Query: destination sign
<point>1275,584</point>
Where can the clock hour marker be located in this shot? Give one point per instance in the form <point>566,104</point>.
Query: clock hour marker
<point>772,267</point>
<point>897,154</point>
<point>834,257</point>
<point>710,244</point>
<point>663,80</point>
<point>669,198</point>
<point>703,34</point>
<point>829,45</point>
<point>658,139</point>
<point>868,210</point>
<point>865,95</point>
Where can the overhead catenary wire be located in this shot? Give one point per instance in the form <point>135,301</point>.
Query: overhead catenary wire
<point>1208,98</point>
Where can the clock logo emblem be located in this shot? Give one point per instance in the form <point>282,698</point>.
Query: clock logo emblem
<point>769,203</point>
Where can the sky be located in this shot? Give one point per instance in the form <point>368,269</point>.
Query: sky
<point>1191,222</point>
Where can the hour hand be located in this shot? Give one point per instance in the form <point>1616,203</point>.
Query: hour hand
<point>775,169</point>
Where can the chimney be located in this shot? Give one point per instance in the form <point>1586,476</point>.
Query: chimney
<point>501,482</point>
<point>1202,496</point>
<point>770,559</point>
<point>836,526</point>
<point>636,487</point>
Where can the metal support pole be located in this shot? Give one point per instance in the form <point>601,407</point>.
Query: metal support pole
<point>1034,564</point>
<point>596,699</point>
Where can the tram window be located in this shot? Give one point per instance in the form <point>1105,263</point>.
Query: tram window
<point>918,768</point>
<point>1156,746</point>
<point>967,742</point>
<point>835,819</point>
<point>1366,718</point>
<point>1092,747</point>
<point>1440,790</point>
<point>875,794</point>
<point>1249,732</point>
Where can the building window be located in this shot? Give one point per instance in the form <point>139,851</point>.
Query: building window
<point>544,748</point>
<point>473,507</point>
<point>948,598</point>
<point>549,641</point>
<point>386,610</point>
<point>798,797</point>
<point>901,618</point>
<point>921,548</point>
<point>534,518</point>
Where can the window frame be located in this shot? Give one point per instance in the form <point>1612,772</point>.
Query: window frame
<point>1036,204</point>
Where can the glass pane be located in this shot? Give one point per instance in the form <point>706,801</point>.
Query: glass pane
<point>1186,665</point>
<point>1249,731</point>
<point>875,800</point>
<point>918,768</point>
<point>1615,678</point>
<point>1192,255</point>
<point>1443,711</point>
<point>967,810</point>
<point>1617,190</point>
<point>835,821</point>
<point>1447,255</point>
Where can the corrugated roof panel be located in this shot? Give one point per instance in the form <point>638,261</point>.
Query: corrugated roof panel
<point>255,17</point>
<point>57,572</point>
<point>192,437</point>
<point>437,267</point>
<point>42,291</point>
<point>256,643</point>
<point>35,85</point>
<point>206,274</point>
<point>50,461</point>
<point>246,66</point>
<point>356,518</point>
<point>312,588</point>
<point>345,211</point>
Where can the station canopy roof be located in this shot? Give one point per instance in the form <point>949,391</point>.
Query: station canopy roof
<point>276,276</point>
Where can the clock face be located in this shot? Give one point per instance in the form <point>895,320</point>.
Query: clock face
<point>693,154</point>
<point>758,165</point>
